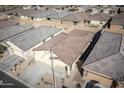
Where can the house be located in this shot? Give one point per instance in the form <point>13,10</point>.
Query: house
<point>24,13</point>
<point>27,6</point>
<point>23,43</point>
<point>75,18</point>
<point>98,19</point>
<point>31,13</point>
<point>92,9</point>
<point>65,50</point>
<point>105,61</point>
<point>58,7</point>
<point>117,22</point>
<point>84,8</point>
<point>43,15</point>
<point>58,15</point>
<point>111,9</point>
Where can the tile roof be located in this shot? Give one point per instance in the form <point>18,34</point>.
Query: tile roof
<point>70,46</point>
<point>13,30</point>
<point>59,15</point>
<point>99,16</point>
<point>112,7</point>
<point>107,56</point>
<point>51,43</point>
<point>32,12</point>
<point>30,38</point>
<point>76,16</point>
<point>118,19</point>
<point>86,6</point>
<point>54,6</point>
<point>7,23</point>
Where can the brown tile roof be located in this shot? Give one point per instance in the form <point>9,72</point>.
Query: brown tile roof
<point>99,17</point>
<point>3,16</point>
<point>70,47</point>
<point>51,43</point>
<point>118,19</point>
<point>76,16</point>
<point>25,12</point>
<point>7,23</point>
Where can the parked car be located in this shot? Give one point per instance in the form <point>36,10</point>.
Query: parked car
<point>92,84</point>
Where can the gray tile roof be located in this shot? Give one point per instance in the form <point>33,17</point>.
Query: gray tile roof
<point>33,37</point>
<point>13,30</point>
<point>59,14</point>
<point>112,66</point>
<point>107,56</point>
<point>44,14</point>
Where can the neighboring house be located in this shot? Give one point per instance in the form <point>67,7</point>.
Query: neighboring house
<point>122,9</point>
<point>75,18</point>
<point>66,48</point>
<point>92,9</point>
<point>59,7</point>
<point>96,9</point>
<point>31,13</point>
<point>117,22</point>
<point>85,8</point>
<point>57,17</point>
<point>111,9</point>
<point>27,7</point>
<point>105,62</point>
<point>98,19</point>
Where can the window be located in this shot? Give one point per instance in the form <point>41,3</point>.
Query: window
<point>48,19</point>
<point>75,23</point>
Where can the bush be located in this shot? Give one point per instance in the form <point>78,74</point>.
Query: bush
<point>2,49</point>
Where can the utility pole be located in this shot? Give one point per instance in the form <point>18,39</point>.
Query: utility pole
<point>51,57</point>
